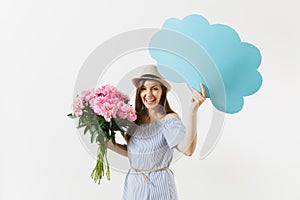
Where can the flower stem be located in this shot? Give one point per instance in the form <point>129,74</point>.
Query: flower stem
<point>102,166</point>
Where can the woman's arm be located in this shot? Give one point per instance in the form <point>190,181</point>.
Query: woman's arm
<point>118,148</point>
<point>188,145</point>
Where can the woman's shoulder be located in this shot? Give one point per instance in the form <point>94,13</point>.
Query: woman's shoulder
<point>172,120</point>
<point>171,115</point>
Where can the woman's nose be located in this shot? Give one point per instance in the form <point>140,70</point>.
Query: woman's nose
<point>148,92</point>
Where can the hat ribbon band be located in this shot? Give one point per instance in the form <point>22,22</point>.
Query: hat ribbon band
<point>150,76</point>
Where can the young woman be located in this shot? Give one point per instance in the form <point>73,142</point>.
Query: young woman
<point>150,144</point>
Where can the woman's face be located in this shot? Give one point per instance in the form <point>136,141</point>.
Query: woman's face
<point>151,93</point>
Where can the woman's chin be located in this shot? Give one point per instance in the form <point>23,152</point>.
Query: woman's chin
<point>151,106</point>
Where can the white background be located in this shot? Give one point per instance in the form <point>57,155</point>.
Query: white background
<point>43,45</point>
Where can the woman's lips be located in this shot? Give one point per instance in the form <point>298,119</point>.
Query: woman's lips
<point>150,101</point>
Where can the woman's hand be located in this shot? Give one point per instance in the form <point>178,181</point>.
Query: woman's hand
<point>198,98</point>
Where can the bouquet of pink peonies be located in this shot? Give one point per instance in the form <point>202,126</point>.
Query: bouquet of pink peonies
<point>103,112</point>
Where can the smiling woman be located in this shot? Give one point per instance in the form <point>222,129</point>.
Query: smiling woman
<point>151,100</point>
<point>150,93</point>
<point>151,143</point>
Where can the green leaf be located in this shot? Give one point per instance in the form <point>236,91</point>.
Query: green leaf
<point>94,117</point>
<point>86,129</point>
<point>93,129</point>
<point>81,122</point>
<point>101,122</point>
<point>100,139</point>
<point>100,130</point>
<point>71,116</point>
<point>94,136</point>
<point>107,134</point>
<point>80,126</point>
<point>113,138</point>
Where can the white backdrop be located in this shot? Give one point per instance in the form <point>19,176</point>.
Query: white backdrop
<point>43,45</point>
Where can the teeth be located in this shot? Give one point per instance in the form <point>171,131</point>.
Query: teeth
<point>149,100</point>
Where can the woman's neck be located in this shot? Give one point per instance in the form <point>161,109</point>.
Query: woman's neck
<point>155,115</point>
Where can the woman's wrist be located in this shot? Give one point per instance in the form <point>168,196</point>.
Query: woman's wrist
<point>193,110</point>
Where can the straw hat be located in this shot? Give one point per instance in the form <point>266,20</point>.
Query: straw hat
<point>151,72</point>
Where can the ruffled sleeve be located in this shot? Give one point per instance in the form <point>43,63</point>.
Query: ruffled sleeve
<point>174,131</point>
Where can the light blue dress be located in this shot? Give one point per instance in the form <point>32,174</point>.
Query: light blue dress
<point>151,147</point>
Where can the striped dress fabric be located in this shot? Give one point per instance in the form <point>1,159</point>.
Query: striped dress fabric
<point>151,147</point>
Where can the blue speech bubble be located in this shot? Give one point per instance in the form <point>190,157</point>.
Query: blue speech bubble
<point>217,47</point>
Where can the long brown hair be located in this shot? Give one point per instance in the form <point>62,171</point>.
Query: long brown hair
<point>142,111</point>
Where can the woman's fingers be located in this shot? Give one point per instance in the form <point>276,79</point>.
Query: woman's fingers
<point>199,94</point>
<point>197,101</point>
<point>199,97</point>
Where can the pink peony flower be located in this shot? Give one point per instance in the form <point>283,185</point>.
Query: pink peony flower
<point>131,115</point>
<point>97,104</point>
<point>77,107</point>
<point>122,109</point>
<point>100,92</point>
<point>108,111</point>
<point>122,96</point>
<point>106,90</point>
<point>111,90</point>
<point>110,103</point>
<point>87,95</point>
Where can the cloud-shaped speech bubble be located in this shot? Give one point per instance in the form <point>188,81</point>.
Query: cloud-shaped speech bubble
<point>193,51</point>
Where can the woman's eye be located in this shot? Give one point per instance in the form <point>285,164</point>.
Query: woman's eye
<point>155,88</point>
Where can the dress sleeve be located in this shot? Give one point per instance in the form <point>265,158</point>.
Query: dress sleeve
<point>174,132</point>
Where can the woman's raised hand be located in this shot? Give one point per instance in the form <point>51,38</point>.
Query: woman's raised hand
<point>199,97</point>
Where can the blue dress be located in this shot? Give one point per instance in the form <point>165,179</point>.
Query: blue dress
<point>151,147</point>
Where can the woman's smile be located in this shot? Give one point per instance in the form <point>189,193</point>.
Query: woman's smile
<point>150,101</point>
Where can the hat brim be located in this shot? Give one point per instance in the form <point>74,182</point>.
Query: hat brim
<point>135,82</point>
